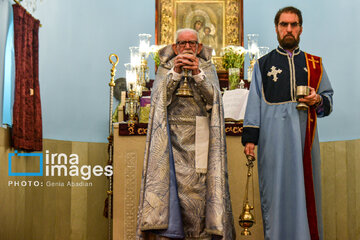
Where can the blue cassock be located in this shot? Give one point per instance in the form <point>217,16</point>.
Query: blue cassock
<point>273,122</point>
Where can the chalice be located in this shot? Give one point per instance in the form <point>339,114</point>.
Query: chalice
<point>302,91</point>
<point>184,89</point>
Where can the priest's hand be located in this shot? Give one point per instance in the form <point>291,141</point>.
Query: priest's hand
<point>311,99</point>
<point>186,61</point>
<point>249,149</point>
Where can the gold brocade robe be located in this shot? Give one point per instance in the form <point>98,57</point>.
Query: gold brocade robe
<point>204,198</point>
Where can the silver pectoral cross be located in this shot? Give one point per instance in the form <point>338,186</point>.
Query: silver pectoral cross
<point>274,72</point>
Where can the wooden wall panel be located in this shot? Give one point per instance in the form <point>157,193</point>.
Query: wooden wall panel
<point>62,197</point>
<point>340,186</point>
<point>341,189</point>
<point>351,187</point>
<point>79,196</point>
<point>97,224</point>
<point>356,157</point>
<point>42,213</point>
<point>328,190</point>
<point>237,181</point>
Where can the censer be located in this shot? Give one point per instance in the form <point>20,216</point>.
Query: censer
<point>247,219</point>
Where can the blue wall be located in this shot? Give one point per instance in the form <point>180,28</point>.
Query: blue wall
<point>78,36</point>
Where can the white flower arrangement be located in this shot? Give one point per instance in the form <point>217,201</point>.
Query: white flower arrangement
<point>154,52</point>
<point>233,56</point>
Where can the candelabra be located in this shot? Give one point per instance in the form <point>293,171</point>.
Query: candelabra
<point>132,100</point>
<point>253,51</point>
<point>143,75</point>
<point>144,49</point>
<point>137,75</point>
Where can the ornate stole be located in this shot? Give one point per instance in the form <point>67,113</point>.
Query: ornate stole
<point>315,72</point>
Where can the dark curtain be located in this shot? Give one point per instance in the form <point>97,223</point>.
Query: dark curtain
<point>27,123</point>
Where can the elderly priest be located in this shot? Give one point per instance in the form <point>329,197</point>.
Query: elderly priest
<point>184,192</point>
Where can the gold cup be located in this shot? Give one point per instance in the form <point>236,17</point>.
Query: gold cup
<point>302,91</point>
<point>184,90</point>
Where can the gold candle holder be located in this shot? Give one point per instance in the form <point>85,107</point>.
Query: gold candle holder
<point>143,75</point>
<point>132,104</point>
<point>250,69</point>
<point>302,91</point>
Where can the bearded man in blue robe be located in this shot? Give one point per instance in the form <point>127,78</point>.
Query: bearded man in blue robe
<point>287,139</point>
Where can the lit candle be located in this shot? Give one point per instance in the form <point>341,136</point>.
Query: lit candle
<point>135,58</point>
<point>144,46</point>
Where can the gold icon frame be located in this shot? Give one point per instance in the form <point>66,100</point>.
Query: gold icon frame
<point>223,17</point>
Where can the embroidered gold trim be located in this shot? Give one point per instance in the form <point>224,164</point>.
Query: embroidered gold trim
<point>285,54</point>
<point>296,51</point>
<point>251,126</point>
<point>294,78</point>
<point>269,103</point>
<point>291,78</point>
<point>322,71</point>
<point>291,84</point>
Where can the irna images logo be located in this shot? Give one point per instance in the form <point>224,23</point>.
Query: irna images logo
<point>35,155</point>
<point>60,164</point>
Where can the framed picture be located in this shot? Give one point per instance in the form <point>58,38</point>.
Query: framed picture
<point>218,22</point>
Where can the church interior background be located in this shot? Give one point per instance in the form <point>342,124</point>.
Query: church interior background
<point>75,41</point>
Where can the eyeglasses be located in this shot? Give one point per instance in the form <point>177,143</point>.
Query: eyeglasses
<point>285,24</point>
<point>183,43</point>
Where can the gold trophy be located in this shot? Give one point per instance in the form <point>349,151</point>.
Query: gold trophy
<point>302,91</point>
<point>247,219</point>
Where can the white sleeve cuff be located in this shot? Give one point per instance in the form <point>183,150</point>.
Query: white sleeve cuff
<point>175,76</point>
<point>199,77</point>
